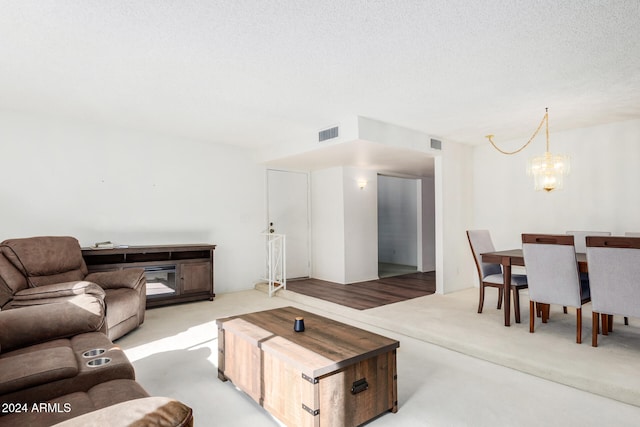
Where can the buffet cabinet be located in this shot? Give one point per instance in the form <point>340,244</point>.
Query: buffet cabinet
<point>174,273</point>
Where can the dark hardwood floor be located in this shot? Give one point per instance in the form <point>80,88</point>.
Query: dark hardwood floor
<point>373,293</point>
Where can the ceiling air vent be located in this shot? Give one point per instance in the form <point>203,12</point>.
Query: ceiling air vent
<point>323,135</point>
<point>436,144</point>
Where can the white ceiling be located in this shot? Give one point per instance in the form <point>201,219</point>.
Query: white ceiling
<point>256,73</point>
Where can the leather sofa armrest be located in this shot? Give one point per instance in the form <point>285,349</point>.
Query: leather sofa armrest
<point>57,290</point>
<point>50,318</point>
<point>126,278</point>
<point>148,411</point>
<point>21,372</point>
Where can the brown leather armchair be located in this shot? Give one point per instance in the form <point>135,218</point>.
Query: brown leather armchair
<point>35,270</point>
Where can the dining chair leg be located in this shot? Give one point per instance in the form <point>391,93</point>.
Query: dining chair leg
<point>516,304</point>
<point>481,299</point>
<point>539,310</point>
<point>626,321</point>
<point>579,325</point>
<point>610,322</point>
<point>532,316</point>
<point>564,309</point>
<point>605,323</point>
<point>594,325</point>
<point>545,312</point>
<point>500,297</point>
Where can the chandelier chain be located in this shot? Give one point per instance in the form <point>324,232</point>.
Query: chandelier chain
<point>545,119</point>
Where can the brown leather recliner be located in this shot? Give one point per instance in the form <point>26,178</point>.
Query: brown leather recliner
<point>33,268</point>
<point>55,367</point>
<point>45,347</point>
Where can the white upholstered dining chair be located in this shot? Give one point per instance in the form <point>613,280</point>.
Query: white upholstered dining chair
<point>614,272</point>
<point>580,243</point>
<point>632,234</point>
<point>491,274</point>
<point>553,276</point>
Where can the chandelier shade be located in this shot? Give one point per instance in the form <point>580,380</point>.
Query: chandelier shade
<point>548,171</point>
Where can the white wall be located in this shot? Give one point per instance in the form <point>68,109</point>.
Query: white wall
<point>96,183</point>
<point>427,229</point>
<point>344,225</point>
<point>454,194</point>
<point>599,194</point>
<point>308,140</point>
<point>132,188</point>
<point>360,225</point>
<point>327,225</point>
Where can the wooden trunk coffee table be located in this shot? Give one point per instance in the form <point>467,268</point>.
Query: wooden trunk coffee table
<point>331,374</point>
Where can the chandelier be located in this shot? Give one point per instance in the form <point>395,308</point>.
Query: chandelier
<point>548,170</point>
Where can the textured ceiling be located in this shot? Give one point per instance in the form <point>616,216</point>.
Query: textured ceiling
<point>257,73</point>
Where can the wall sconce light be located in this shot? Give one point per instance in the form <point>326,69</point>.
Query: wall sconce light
<point>362,183</point>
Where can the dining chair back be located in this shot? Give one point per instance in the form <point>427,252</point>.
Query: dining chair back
<point>614,272</point>
<point>491,274</point>
<point>480,241</point>
<point>579,238</point>
<point>632,234</point>
<point>553,275</point>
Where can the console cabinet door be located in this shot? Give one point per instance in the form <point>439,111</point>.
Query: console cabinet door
<point>195,277</point>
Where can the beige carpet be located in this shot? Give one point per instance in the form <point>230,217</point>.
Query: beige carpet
<point>451,321</point>
<point>175,354</point>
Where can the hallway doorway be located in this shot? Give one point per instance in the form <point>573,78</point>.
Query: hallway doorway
<point>406,225</point>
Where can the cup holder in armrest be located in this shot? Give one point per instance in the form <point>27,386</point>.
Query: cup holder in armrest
<point>98,362</point>
<point>94,352</point>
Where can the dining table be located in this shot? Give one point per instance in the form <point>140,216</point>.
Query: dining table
<point>511,257</point>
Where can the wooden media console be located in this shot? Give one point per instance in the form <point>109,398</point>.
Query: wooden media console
<point>174,273</point>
